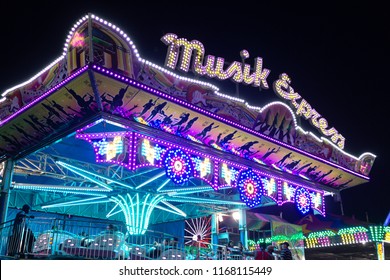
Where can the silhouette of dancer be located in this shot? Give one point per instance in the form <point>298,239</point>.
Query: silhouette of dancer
<point>84,104</point>
<point>262,126</point>
<point>60,108</point>
<point>280,162</point>
<point>346,183</point>
<point>183,118</point>
<point>167,119</point>
<point>127,113</point>
<point>52,111</point>
<point>206,130</point>
<point>147,106</point>
<point>117,100</point>
<point>246,147</point>
<point>14,142</point>
<point>157,109</point>
<point>292,164</point>
<point>273,126</point>
<point>303,167</point>
<point>335,179</point>
<point>324,175</point>
<point>52,123</point>
<point>189,124</point>
<point>270,152</point>
<point>35,120</point>
<point>26,136</point>
<point>279,131</point>
<point>229,138</point>
<point>311,169</point>
<point>286,136</point>
<point>33,125</point>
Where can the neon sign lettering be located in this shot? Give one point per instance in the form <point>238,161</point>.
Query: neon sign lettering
<point>213,68</point>
<point>283,88</point>
<point>240,72</point>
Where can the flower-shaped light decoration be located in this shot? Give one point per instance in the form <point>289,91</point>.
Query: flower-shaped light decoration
<point>178,166</point>
<point>302,200</point>
<point>250,188</point>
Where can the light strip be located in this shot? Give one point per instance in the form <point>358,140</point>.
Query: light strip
<point>169,210</point>
<point>163,185</point>
<point>199,200</point>
<point>150,180</point>
<point>83,174</point>
<point>76,202</point>
<point>179,212</point>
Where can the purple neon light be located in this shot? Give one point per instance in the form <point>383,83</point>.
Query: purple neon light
<point>302,200</point>
<point>134,136</point>
<point>205,112</point>
<point>90,136</point>
<point>47,93</point>
<point>178,166</point>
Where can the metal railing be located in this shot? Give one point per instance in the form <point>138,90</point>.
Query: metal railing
<point>56,238</point>
<point>52,238</point>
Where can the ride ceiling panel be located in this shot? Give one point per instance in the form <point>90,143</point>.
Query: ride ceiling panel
<point>179,118</point>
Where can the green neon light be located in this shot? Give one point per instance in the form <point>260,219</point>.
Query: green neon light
<point>137,213</point>
<point>109,213</point>
<point>75,202</point>
<point>41,187</point>
<point>169,210</point>
<point>195,189</point>
<point>173,207</point>
<point>82,173</point>
<point>163,184</point>
<point>325,233</point>
<point>113,213</point>
<point>143,210</point>
<point>352,230</point>
<point>198,200</point>
<point>150,180</point>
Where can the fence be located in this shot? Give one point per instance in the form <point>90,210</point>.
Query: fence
<point>55,238</point>
<point>52,238</point>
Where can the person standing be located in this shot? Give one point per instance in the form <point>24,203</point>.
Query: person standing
<point>285,253</point>
<point>265,254</point>
<point>22,240</point>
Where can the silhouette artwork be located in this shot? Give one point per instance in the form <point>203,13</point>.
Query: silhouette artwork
<point>188,126</point>
<point>270,152</point>
<point>116,101</point>
<point>147,106</point>
<point>246,147</point>
<point>183,119</point>
<point>60,108</point>
<point>207,129</point>
<point>157,109</point>
<point>292,164</point>
<point>82,102</point>
<point>280,162</point>
<point>300,169</point>
<point>228,138</point>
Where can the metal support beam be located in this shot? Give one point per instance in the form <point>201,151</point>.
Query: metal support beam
<point>5,189</point>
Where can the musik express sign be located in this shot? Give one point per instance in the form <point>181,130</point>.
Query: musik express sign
<point>181,52</point>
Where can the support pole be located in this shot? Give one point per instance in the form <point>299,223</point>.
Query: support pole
<point>5,189</point>
<point>214,231</point>
<point>380,250</point>
<point>243,228</point>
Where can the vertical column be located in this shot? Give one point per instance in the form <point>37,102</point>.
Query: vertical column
<point>242,227</point>
<point>380,250</point>
<point>214,230</point>
<point>5,189</point>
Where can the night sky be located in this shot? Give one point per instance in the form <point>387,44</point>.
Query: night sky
<point>338,62</point>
